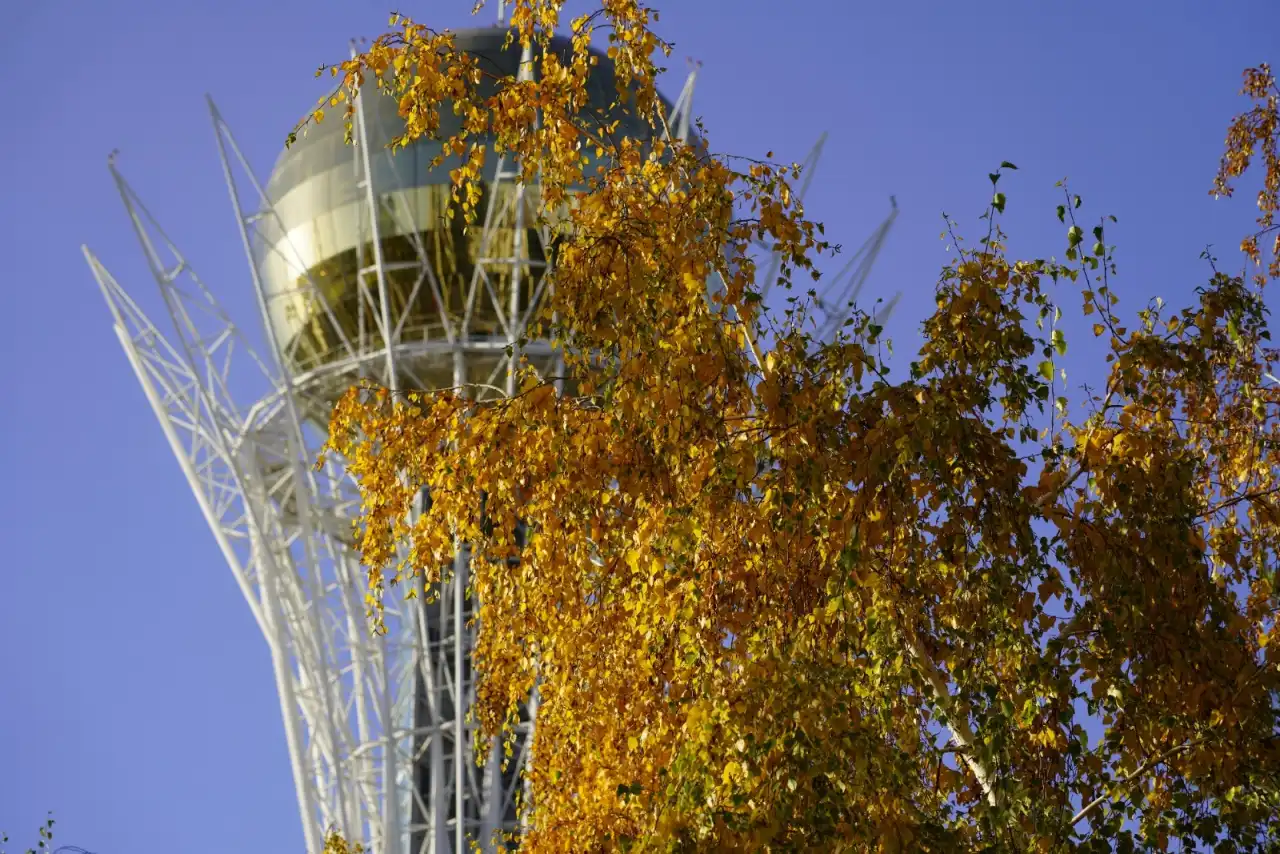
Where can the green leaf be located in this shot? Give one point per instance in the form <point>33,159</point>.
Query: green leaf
<point>1005,164</point>
<point>1046,370</point>
<point>1077,202</point>
<point>1074,236</point>
<point>994,176</point>
<point>998,202</point>
<point>1059,342</point>
<point>1062,213</point>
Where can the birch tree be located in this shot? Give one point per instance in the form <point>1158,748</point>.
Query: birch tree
<point>779,594</point>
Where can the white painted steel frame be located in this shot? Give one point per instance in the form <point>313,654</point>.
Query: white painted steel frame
<point>347,697</point>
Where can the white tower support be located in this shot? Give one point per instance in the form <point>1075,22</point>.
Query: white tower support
<point>379,737</point>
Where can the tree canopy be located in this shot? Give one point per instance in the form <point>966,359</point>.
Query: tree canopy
<point>780,594</point>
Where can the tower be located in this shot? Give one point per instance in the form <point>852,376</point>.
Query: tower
<point>357,275</point>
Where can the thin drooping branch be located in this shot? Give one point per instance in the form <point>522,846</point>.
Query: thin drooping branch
<point>1094,804</point>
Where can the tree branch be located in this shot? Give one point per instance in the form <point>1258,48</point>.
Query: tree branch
<point>958,725</point>
<point>1137,772</point>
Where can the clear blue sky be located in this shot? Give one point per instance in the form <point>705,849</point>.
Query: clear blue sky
<point>136,697</point>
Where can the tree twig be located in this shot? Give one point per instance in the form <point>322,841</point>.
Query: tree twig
<point>1137,772</point>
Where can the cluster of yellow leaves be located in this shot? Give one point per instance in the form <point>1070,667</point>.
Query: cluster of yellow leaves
<point>547,124</point>
<point>1252,133</point>
<point>773,598</point>
<point>335,844</point>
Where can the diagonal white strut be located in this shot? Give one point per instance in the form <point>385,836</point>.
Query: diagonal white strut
<point>208,457</point>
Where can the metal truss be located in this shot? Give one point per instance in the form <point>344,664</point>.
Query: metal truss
<point>379,739</point>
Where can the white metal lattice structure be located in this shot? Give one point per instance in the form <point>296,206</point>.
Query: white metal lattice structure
<point>370,721</point>
<point>355,290</point>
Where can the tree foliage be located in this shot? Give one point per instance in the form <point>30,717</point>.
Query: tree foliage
<point>778,597</point>
<point>1255,132</point>
<point>44,839</point>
